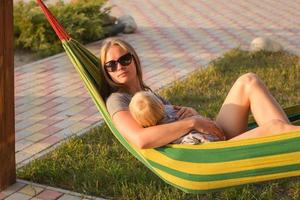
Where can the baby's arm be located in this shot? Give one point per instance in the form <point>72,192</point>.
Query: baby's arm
<point>184,112</point>
<point>211,127</point>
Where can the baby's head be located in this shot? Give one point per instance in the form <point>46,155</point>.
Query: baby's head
<point>146,108</point>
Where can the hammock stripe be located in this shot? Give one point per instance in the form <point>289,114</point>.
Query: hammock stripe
<point>195,168</point>
<point>228,153</point>
<point>222,176</point>
<point>237,143</point>
<point>229,167</point>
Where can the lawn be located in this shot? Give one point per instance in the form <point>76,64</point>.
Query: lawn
<point>96,164</point>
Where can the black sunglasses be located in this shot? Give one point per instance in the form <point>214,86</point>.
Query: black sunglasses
<point>112,66</point>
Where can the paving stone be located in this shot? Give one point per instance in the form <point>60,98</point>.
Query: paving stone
<point>22,156</point>
<point>31,190</point>
<point>52,113</point>
<point>74,111</point>
<point>35,148</point>
<point>21,144</point>
<point>35,198</point>
<point>22,106</point>
<point>50,130</point>
<point>51,140</point>
<point>49,195</point>
<point>36,137</point>
<point>18,196</point>
<point>21,134</point>
<point>14,188</point>
<point>34,110</point>
<point>39,117</point>
<point>2,196</point>
<point>64,133</point>
<point>78,127</point>
<point>65,123</point>
<point>36,127</point>
<point>69,197</point>
<point>76,117</point>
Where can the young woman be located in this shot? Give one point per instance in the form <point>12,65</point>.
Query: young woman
<point>122,70</point>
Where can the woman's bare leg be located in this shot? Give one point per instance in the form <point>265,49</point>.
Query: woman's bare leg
<point>248,93</point>
<point>273,127</point>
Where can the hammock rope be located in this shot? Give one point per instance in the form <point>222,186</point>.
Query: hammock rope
<point>195,168</point>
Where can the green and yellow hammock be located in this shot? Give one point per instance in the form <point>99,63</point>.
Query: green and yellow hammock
<point>195,168</point>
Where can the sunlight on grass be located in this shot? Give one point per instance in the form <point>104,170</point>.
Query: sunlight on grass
<point>96,164</point>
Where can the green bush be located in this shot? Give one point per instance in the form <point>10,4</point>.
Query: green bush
<point>82,19</point>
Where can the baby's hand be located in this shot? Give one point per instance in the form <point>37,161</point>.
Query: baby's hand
<point>184,112</point>
<point>206,125</point>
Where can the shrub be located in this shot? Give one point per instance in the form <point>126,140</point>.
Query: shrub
<point>82,19</point>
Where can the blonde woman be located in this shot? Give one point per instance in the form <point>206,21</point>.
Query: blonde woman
<point>122,70</point>
<point>148,110</point>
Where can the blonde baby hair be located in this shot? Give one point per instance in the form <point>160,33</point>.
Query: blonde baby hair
<point>146,108</point>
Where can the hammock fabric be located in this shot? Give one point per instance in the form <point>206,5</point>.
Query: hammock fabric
<point>195,168</point>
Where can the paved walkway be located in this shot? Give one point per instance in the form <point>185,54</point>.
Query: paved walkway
<point>174,38</point>
<point>24,190</point>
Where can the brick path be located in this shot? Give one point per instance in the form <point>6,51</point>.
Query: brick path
<point>24,190</point>
<point>173,39</point>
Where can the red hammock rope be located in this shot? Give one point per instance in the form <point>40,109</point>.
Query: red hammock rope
<point>60,32</point>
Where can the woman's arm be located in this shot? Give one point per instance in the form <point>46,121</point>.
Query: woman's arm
<point>150,137</point>
<point>203,124</point>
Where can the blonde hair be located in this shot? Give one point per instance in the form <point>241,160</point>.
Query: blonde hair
<point>146,108</point>
<point>128,48</point>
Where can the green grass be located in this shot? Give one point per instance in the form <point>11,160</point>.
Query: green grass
<point>96,164</point>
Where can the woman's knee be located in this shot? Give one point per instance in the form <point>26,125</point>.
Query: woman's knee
<point>276,126</point>
<point>248,80</point>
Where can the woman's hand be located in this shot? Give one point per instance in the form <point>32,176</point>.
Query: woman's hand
<point>184,112</point>
<point>206,125</point>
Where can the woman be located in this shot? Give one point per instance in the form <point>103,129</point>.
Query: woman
<point>122,70</point>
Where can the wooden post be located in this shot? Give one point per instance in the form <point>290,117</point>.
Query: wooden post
<point>7,113</point>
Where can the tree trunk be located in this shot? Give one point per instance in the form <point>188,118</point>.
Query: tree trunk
<point>7,113</point>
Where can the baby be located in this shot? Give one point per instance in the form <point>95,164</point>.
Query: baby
<point>148,110</point>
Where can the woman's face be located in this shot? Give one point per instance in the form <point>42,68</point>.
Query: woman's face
<point>122,70</point>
